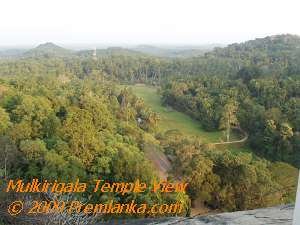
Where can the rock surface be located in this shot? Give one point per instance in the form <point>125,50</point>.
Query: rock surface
<point>281,215</point>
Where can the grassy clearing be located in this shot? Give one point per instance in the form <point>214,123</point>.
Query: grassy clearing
<point>172,119</point>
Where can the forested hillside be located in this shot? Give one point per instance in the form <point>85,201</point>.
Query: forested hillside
<point>47,50</point>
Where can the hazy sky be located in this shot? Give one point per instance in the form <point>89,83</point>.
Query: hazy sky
<point>30,22</point>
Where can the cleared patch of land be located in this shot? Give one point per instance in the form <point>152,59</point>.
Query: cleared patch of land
<point>172,119</point>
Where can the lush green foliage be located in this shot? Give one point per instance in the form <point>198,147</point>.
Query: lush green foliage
<point>268,108</point>
<point>228,180</point>
<point>61,117</point>
<point>79,129</point>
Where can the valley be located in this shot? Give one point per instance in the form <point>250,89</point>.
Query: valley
<point>225,121</point>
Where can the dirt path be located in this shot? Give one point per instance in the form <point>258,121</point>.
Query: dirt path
<point>244,139</point>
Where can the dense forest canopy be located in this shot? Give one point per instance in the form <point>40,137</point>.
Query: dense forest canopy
<point>63,116</point>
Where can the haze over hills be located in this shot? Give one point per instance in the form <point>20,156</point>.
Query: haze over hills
<point>110,51</point>
<point>176,51</point>
<point>271,46</point>
<point>276,54</point>
<point>48,49</point>
<point>11,53</point>
<point>51,49</point>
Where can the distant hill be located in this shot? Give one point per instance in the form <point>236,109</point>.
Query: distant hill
<point>110,51</point>
<point>273,54</point>
<point>48,50</point>
<point>176,51</point>
<point>274,47</point>
<point>12,53</point>
<point>172,52</point>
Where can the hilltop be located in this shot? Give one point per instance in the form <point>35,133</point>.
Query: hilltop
<point>48,49</point>
<point>283,50</point>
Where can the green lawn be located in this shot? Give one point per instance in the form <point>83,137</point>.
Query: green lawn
<point>172,119</point>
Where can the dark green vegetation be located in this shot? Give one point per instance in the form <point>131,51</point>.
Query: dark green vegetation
<point>61,116</point>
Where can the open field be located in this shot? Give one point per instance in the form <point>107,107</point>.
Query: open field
<point>172,119</point>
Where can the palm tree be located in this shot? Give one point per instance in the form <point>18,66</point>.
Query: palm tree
<point>228,117</point>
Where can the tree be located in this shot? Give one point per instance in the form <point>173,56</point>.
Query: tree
<point>9,158</point>
<point>4,121</point>
<point>80,132</point>
<point>249,73</point>
<point>286,131</point>
<point>229,118</point>
<point>33,150</point>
